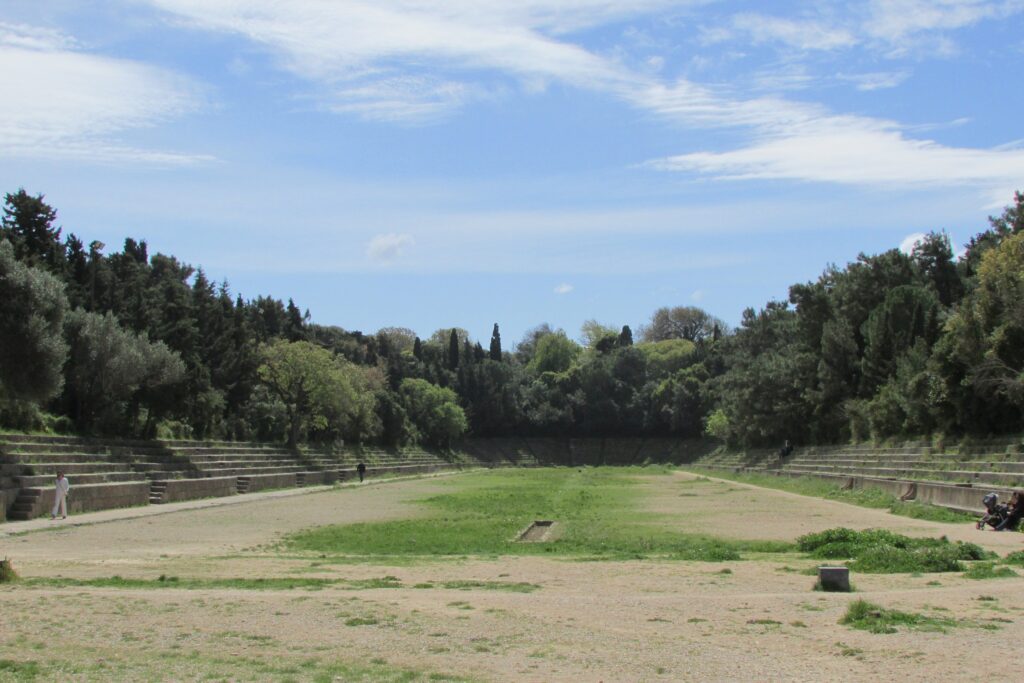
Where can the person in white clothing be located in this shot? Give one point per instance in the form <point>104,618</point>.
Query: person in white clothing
<point>60,496</point>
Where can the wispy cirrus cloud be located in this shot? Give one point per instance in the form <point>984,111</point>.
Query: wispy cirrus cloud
<point>382,59</point>
<point>802,34</point>
<point>856,151</point>
<point>418,60</point>
<point>61,103</point>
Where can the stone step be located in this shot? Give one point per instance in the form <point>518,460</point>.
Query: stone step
<point>80,479</point>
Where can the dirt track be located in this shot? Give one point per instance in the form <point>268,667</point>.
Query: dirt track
<point>589,621</point>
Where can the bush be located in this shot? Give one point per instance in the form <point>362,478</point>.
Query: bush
<point>173,430</point>
<point>892,560</point>
<point>880,551</point>
<point>7,573</point>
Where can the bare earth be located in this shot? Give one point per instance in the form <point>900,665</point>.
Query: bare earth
<point>588,621</point>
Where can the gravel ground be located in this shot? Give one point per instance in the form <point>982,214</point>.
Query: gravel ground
<point>586,621</point>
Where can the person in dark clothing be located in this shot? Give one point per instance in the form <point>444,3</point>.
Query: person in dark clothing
<point>995,512</point>
<point>361,469</point>
<point>1013,516</point>
<point>786,449</point>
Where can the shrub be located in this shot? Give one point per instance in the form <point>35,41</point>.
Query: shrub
<point>7,573</point>
<point>881,551</point>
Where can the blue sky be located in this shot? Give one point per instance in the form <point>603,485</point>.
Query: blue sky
<point>437,163</point>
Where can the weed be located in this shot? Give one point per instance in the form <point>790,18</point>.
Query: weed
<point>988,570</point>
<point>491,586</point>
<point>866,616</point>
<point>7,573</point>
<point>878,551</point>
<point>26,671</point>
<point>847,651</point>
<point>1015,558</point>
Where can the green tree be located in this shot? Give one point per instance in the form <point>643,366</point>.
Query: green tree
<point>555,353</point>
<point>28,224</point>
<point>111,373</point>
<point>495,350</point>
<point>453,350</point>
<point>32,348</point>
<point>316,387</point>
<point>435,412</point>
<point>683,322</point>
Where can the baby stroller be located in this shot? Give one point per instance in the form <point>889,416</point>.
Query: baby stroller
<point>995,513</point>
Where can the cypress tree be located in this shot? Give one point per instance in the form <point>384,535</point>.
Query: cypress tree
<point>417,349</point>
<point>626,336</point>
<point>495,352</point>
<point>453,350</point>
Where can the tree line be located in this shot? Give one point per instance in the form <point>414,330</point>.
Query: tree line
<point>133,344</point>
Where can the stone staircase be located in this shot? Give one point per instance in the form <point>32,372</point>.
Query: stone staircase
<point>955,476</point>
<point>108,473</point>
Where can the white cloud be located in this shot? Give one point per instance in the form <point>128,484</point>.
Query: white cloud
<point>34,37</point>
<point>911,241</point>
<point>896,21</point>
<point>387,248</point>
<point>418,60</point>
<point>58,103</point>
<point>878,80</point>
<point>697,295</point>
<point>801,34</point>
<point>375,57</point>
<point>563,288</point>
<point>856,151</point>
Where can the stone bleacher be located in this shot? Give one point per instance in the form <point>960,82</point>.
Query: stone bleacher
<point>955,476</point>
<point>107,473</point>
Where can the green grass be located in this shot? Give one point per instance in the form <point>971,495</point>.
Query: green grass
<point>598,510</point>
<point>183,583</point>
<point>1015,558</point>
<point>155,666</point>
<point>878,551</point>
<point>867,616</point>
<point>866,497</point>
<point>7,573</point>
<point>272,584</point>
<point>18,671</point>
<point>988,570</point>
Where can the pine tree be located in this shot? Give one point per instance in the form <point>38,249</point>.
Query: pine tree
<point>495,353</point>
<point>28,224</point>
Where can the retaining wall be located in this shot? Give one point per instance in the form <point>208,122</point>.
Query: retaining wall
<point>962,497</point>
<point>89,498</point>
<point>191,489</point>
<point>261,482</point>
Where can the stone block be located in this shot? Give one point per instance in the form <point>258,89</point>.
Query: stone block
<point>834,579</point>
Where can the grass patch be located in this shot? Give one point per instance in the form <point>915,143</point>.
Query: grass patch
<point>877,551</point>
<point>867,616</point>
<point>867,497</point>
<point>989,570</point>
<point>19,671</point>
<point>1015,558</point>
<point>599,511</point>
<point>288,583</point>
<point>508,586</point>
<point>7,573</point>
